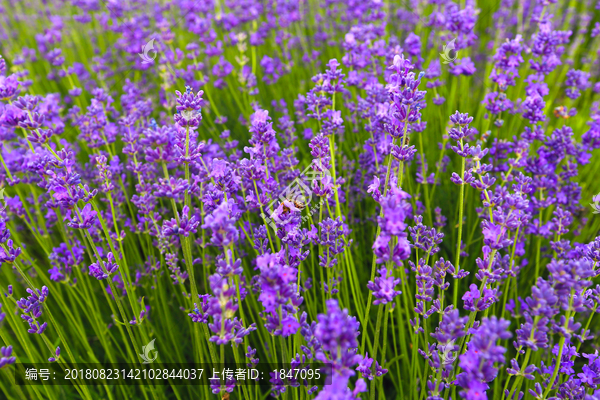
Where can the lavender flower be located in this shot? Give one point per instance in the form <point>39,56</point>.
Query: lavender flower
<point>383,287</point>
<point>7,357</point>
<point>32,308</point>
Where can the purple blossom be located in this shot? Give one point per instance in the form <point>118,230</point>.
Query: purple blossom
<point>7,357</point>
<point>183,225</point>
<point>383,287</point>
<point>32,308</point>
<point>84,219</point>
<point>221,223</point>
<point>103,269</point>
<point>483,352</point>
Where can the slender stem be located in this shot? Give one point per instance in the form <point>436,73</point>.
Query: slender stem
<point>460,224</point>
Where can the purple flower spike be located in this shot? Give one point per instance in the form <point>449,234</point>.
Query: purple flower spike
<point>337,333</point>
<point>481,355</point>
<point>9,87</point>
<point>7,357</point>
<point>84,219</point>
<point>183,225</point>
<point>478,301</point>
<point>188,108</point>
<point>32,309</point>
<point>222,223</point>
<point>56,355</point>
<point>383,287</point>
<point>103,269</point>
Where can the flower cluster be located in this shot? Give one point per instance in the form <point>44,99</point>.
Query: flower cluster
<point>271,176</point>
<point>32,308</point>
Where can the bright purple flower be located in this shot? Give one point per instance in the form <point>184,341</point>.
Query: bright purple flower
<point>337,332</point>
<point>9,87</point>
<point>263,136</point>
<point>576,82</point>
<point>84,219</point>
<point>32,308</point>
<point>10,254</point>
<point>188,108</point>
<point>463,66</point>
<point>383,287</point>
<point>222,223</point>
<point>478,301</point>
<point>407,100</point>
<point>183,225</point>
<point>103,269</point>
<point>63,258</point>
<point>495,235</point>
<point>478,362</point>
<point>56,355</point>
<point>7,357</point>
<point>278,294</point>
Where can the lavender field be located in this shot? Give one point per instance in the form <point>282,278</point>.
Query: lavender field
<point>300,199</point>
